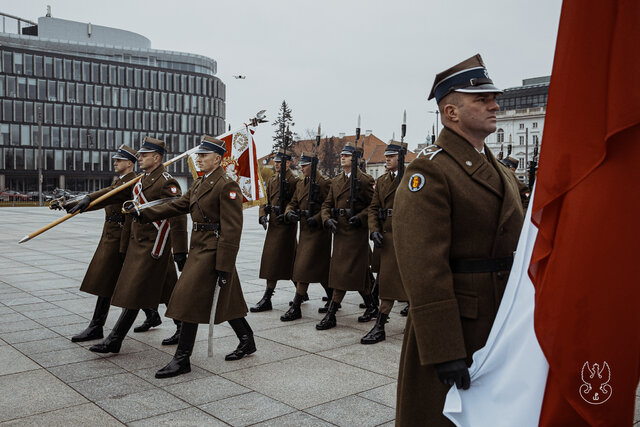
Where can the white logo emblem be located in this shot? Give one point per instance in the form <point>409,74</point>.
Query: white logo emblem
<point>233,195</point>
<point>595,388</point>
<point>486,73</point>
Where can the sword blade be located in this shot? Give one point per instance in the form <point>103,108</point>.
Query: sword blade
<point>212,317</point>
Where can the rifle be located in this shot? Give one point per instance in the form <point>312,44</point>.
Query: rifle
<point>403,150</point>
<point>314,190</point>
<point>533,167</point>
<point>354,184</point>
<point>283,185</point>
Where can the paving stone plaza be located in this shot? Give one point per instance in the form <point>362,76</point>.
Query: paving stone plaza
<point>298,377</point>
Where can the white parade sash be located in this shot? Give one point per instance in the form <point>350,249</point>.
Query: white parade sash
<point>162,226</point>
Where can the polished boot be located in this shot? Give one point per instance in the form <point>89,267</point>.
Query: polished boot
<point>329,320</point>
<point>94,330</point>
<point>326,307</point>
<point>371,311</point>
<point>376,334</point>
<point>405,311</point>
<point>153,319</point>
<point>265,303</point>
<point>329,292</point>
<point>175,338</point>
<point>244,333</point>
<point>180,363</point>
<point>112,343</point>
<point>294,311</point>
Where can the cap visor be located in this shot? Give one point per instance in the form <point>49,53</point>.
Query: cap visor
<point>146,150</point>
<point>120,156</point>
<point>488,88</point>
<point>202,151</point>
<point>390,153</point>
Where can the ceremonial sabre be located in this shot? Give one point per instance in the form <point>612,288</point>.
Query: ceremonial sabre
<point>212,317</point>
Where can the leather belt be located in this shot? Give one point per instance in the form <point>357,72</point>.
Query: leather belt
<point>206,226</point>
<point>488,265</point>
<point>114,218</point>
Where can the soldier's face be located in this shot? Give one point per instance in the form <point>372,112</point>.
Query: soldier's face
<point>306,170</point>
<point>477,113</point>
<point>276,166</point>
<point>208,162</point>
<point>121,166</point>
<point>391,162</point>
<point>146,160</point>
<point>345,162</point>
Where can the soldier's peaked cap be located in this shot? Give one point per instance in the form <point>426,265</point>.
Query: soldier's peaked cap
<point>150,145</point>
<point>469,76</point>
<point>209,144</point>
<point>282,155</point>
<point>511,162</point>
<point>307,157</point>
<point>394,148</point>
<point>124,152</point>
<point>350,148</point>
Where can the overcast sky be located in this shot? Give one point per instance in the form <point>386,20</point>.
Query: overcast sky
<point>332,60</point>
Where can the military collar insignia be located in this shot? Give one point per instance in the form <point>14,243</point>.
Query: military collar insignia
<point>416,182</point>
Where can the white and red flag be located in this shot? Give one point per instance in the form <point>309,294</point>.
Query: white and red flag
<point>583,261</point>
<point>241,163</point>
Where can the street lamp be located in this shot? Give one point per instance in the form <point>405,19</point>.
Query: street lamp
<point>437,113</point>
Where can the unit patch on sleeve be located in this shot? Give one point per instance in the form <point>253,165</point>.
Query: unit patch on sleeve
<point>233,195</point>
<point>416,182</point>
<point>174,189</point>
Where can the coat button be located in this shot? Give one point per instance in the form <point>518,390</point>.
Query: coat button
<point>501,274</point>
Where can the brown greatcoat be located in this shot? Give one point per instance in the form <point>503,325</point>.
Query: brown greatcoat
<point>144,282</point>
<point>462,206</point>
<point>388,276</point>
<point>213,199</point>
<point>349,268</point>
<point>104,268</point>
<point>279,250</point>
<point>314,250</point>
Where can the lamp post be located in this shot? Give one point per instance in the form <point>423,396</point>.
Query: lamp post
<point>437,113</point>
<point>39,156</point>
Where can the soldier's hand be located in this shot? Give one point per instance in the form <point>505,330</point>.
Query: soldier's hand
<point>454,372</point>
<point>355,221</point>
<point>81,206</point>
<point>180,259</point>
<point>292,216</point>
<point>312,222</point>
<point>280,217</point>
<point>222,278</point>
<point>263,221</point>
<point>332,225</point>
<point>377,238</point>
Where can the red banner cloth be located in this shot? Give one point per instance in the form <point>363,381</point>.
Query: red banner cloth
<point>585,264</point>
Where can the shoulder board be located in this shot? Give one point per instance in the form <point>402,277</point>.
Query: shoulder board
<point>430,151</point>
<point>167,175</point>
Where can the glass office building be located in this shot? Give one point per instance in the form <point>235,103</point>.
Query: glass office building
<point>94,88</point>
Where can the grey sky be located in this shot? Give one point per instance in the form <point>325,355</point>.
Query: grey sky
<point>332,60</point>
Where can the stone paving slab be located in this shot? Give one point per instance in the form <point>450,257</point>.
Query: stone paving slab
<point>79,415</point>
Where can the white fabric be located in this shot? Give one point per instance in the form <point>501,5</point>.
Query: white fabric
<point>509,374</point>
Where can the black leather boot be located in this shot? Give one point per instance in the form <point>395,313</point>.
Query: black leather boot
<point>294,311</point>
<point>174,339</point>
<point>305,297</point>
<point>376,334</point>
<point>329,320</point>
<point>265,303</point>
<point>244,333</point>
<point>326,307</point>
<point>371,311</point>
<point>112,343</point>
<point>405,311</point>
<point>94,330</point>
<point>180,363</point>
<point>153,319</point>
<point>328,291</point>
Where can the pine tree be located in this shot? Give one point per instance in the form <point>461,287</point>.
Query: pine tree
<point>329,162</point>
<point>284,121</point>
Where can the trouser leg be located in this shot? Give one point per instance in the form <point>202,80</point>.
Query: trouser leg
<point>386,305</point>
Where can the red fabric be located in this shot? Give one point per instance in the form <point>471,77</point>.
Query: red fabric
<point>585,264</point>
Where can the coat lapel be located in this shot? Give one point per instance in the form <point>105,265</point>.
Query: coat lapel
<point>345,184</point>
<point>152,178</point>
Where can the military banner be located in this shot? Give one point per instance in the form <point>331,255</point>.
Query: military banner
<point>241,163</point>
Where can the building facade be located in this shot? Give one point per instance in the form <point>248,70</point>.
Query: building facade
<point>520,122</point>
<point>91,88</point>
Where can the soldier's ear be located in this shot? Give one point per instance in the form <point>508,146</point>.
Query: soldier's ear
<point>451,113</point>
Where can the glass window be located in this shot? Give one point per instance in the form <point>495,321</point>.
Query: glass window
<point>118,138</point>
<point>88,94</point>
<point>154,79</point>
<point>113,115</point>
<point>28,64</point>
<point>7,111</point>
<point>55,137</point>
<point>84,141</point>
<point>129,74</point>
<point>98,95</point>
<point>61,92</point>
<point>160,119</point>
<point>77,115</point>
<point>77,70</point>
<point>86,116</point>
<point>161,79</point>
<point>32,88</point>
<point>25,133</point>
<point>77,160</point>
<point>80,93</point>
<point>199,85</point>
<point>46,138</point>
<point>126,138</point>
<point>104,73</point>
<point>68,160</point>
<point>113,75</point>
<point>4,134</point>
<point>169,82</point>
<point>7,63</point>
<point>11,86</point>
<point>156,100</point>
<point>145,79</point>
<point>29,159</point>
<point>64,138</point>
<point>137,77</point>
<point>22,87</point>
<point>95,116</point>
<point>58,116</point>
<point>101,138</point>
<point>124,97</point>
<point>59,162</point>
<point>183,83</point>
<point>95,72</point>
<point>15,134</point>
<point>121,79</point>
<point>19,158</point>
<point>18,67</point>
<point>140,101</point>
<point>9,158</point>
<point>138,121</point>
<point>51,91</point>
<point>121,123</point>
<point>86,71</point>
<point>115,96</point>
<point>104,117</point>
<point>18,113</point>
<point>71,92</point>
<point>105,161</point>
<point>145,121</point>
<point>48,160</point>
<point>68,115</point>
<point>48,113</point>
<point>50,70</point>
<point>110,141</point>
<point>75,140</point>
<point>95,160</point>
<point>106,96</point>
<point>1,85</point>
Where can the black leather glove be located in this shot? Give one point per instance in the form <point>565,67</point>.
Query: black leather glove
<point>312,222</point>
<point>355,221</point>
<point>55,205</point>
<point>81,206</point>
<point>454,372</point>
<point>223,276</point>
<point>280,218</point>
<point>263,221</point>
<point>332,225</point>
<point>292,216</point>
<point>122,256</point>
<point>180,259</point>
<point>377,238</point>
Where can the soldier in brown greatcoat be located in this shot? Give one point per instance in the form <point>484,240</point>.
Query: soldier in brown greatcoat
<point>314,250</point>
<point>381,232</point>
<point>511,163</point>
<point>279,250</point>
<point>349,268</point>
<point>215,204</point>
<point>456,221</point>
<point>148,274</point>
<point>104,268</point>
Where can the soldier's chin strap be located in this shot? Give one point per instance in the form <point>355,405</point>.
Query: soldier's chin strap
<point>131,206</point>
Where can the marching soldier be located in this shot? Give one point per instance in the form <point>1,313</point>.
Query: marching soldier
<point>314,250</point>
<point>148,274</point>
<point>349,267</point>
<point>380,214</point>
<point>104,268</point>
<point>456,221</point>
<point>279,251</point>
<point>215,204</point>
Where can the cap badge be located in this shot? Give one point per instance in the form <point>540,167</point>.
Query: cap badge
<point>416,182</point>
